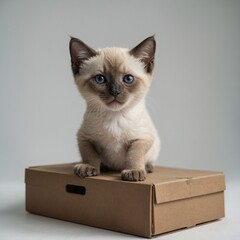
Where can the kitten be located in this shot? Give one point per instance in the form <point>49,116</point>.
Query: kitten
<point>117,131</point>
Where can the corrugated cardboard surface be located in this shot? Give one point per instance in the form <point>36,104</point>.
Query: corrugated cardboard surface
<point>169,199</point>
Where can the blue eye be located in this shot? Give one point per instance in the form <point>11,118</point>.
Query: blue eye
<point>128,79</point>
<point>100,79</point>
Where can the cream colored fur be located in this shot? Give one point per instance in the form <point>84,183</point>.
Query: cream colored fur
<point>120,136</point>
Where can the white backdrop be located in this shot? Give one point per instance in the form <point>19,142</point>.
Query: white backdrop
<point>195,96</point>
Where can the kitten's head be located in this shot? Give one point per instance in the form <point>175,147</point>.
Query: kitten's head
<point>112,78</point>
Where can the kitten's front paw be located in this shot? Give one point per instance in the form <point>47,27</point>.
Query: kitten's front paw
<point>85,170</point>
<point>133,175</point>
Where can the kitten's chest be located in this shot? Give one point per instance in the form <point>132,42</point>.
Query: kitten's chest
<point>112,133</point>
<point>113,143</point>
<point>117,128</point>
<point>116,131</point>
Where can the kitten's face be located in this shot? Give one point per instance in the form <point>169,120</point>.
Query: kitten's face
<point>112,78</point>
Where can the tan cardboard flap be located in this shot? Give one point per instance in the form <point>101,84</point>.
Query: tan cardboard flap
<point>189,186</point>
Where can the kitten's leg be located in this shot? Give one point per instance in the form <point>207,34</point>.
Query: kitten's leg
<point>90,165</point>
<point>135,166</point>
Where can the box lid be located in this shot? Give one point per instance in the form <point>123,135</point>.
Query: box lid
<point>169,184</point>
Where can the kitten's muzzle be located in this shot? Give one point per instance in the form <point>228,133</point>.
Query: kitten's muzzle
<point>114,91</point>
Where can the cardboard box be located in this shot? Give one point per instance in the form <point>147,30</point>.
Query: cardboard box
<point>168,200</point>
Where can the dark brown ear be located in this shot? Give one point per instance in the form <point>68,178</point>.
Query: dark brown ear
<point>79,53</point>
<point>145,52</point>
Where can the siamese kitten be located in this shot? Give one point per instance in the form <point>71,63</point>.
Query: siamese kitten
<point>117,131</point>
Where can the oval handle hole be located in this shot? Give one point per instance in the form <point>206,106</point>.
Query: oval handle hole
<point>75,189</point>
